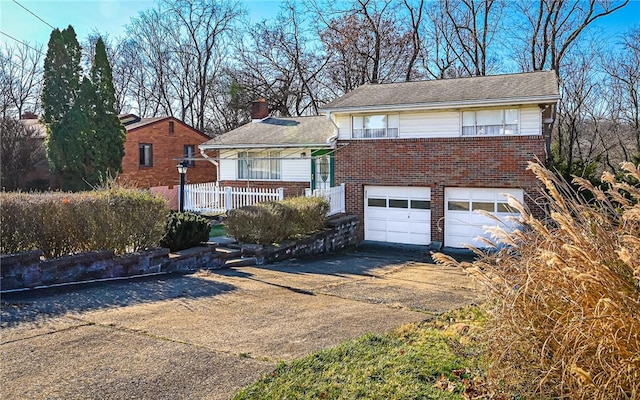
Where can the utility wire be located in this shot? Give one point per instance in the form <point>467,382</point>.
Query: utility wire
<point>32,13</point>
<point>22,43</point>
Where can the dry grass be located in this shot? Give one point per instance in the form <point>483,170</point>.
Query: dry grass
<point>566,322</point>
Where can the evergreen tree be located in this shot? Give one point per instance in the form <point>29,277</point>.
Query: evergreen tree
<point>108,142</point>
<point>64,143</point>
<point>85,140</point>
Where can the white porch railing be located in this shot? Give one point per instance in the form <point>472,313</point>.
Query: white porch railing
<point>210,198</point>
<point>335,197</point>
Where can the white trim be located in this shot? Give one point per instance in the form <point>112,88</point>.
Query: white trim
<point>205,146</point>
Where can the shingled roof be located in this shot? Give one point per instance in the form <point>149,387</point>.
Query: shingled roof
<point>540,86</point>
<point>315,131</point>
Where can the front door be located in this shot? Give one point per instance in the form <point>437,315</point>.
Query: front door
<point>321,169</point>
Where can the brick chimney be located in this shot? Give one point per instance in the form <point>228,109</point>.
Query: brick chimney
<point>28,115</point>
<point>259,109</point>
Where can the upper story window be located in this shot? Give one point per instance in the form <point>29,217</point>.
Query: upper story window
<point>490,122</point>
<point>146,154</point>
<point>188,153</point>
<point>265,165</point>
<point>375,126</point>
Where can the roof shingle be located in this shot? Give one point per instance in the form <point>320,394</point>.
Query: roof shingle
<point>540,84</point>
<point>288,132</point>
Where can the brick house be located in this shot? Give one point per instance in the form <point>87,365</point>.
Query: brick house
<point>153,148</point>
<point>418,159</point>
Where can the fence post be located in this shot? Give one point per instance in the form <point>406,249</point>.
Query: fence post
<point>307,192</point>
<point>227,198</point>
<point>280,193</point>
<point>343,198</point>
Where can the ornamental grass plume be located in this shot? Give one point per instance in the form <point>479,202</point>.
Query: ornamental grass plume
<point>566,293</point>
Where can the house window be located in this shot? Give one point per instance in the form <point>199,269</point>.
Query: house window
<point>188,153</point>
<point>146,154</point>
<point>264,165</point>
<point>375,126</point>
<point>490,122</point>
<point>171,127</point>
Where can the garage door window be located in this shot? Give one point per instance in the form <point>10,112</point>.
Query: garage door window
<point>458,206</point>
<point>505,208</point>
<point>393,203</point>
<point>483,206</point>
<point>377,202</point>
<point>421,204</point>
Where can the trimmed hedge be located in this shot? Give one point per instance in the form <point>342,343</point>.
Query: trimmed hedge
<point>60,223</point>
<point>275,221</point>
<point>185,230</point>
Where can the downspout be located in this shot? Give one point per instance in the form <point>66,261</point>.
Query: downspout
<point>212,161</point>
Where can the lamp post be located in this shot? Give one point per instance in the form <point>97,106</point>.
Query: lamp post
<point>182,170</point>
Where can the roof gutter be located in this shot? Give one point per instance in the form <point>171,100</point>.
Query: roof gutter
<point>205,146</point>
<point>448,104</point>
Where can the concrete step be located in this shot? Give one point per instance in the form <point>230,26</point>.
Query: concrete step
<point>227,253</point>
<point>241,262</point>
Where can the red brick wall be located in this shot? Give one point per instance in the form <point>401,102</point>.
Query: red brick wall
<point>166,148</point>
<point>496,162</point>
<point>291,189</point>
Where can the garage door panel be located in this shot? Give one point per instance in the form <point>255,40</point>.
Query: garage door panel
<point>463,224</point>
<point>398,221</point>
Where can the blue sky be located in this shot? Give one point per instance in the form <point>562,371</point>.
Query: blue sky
<point>86,16</point>
<point>111,16</point>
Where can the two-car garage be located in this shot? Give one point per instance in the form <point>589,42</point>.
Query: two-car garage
<point>403,214</point>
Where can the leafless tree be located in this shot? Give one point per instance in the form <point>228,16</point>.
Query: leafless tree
<point>550,28</point>
<point>623,70</point>
<point>20,79</point>
<point>20,149</point>
<point>180,48</point>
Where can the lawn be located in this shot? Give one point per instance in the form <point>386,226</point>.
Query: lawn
<point>436,359</point>
<point>217,230</point>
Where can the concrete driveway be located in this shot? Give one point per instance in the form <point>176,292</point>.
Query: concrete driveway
<point>206,335</point>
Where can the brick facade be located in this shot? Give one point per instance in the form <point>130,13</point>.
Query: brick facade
<point>475,162</point>
<point>291,189</point>
<point>167,147</point>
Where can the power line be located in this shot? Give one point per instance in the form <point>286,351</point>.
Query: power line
<point>32,13</point>
<point>22,43</point>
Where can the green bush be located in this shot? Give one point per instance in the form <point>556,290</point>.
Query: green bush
<point>185,230</point>
<point>59,223</point>
<point>273,222</point>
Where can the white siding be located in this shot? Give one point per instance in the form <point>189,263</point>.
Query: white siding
<point>530,121</point>
<point>430,124</point>
<point>442,123</point>
<point>228,168</point>
<point>294,167</point>
<point>343,122</point>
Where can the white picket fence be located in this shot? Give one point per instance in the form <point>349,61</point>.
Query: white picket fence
<point>335,196</point>
<point>213,199</point>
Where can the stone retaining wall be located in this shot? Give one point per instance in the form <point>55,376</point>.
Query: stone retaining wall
<point>28,270</point>
<point>343,233</point>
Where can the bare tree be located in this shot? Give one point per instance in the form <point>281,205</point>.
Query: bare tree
<point>623,70</point>
<point>20,79</point>
<point>179,48</point>
<point>552,27</point>
<point>20,150</point>
<point>475,24</point>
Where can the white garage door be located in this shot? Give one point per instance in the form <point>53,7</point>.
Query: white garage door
<point>463,225</point>
<point>397,214</point>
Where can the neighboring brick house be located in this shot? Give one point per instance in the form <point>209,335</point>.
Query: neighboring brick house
<point>153,148</point>
<point>418,159</point>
